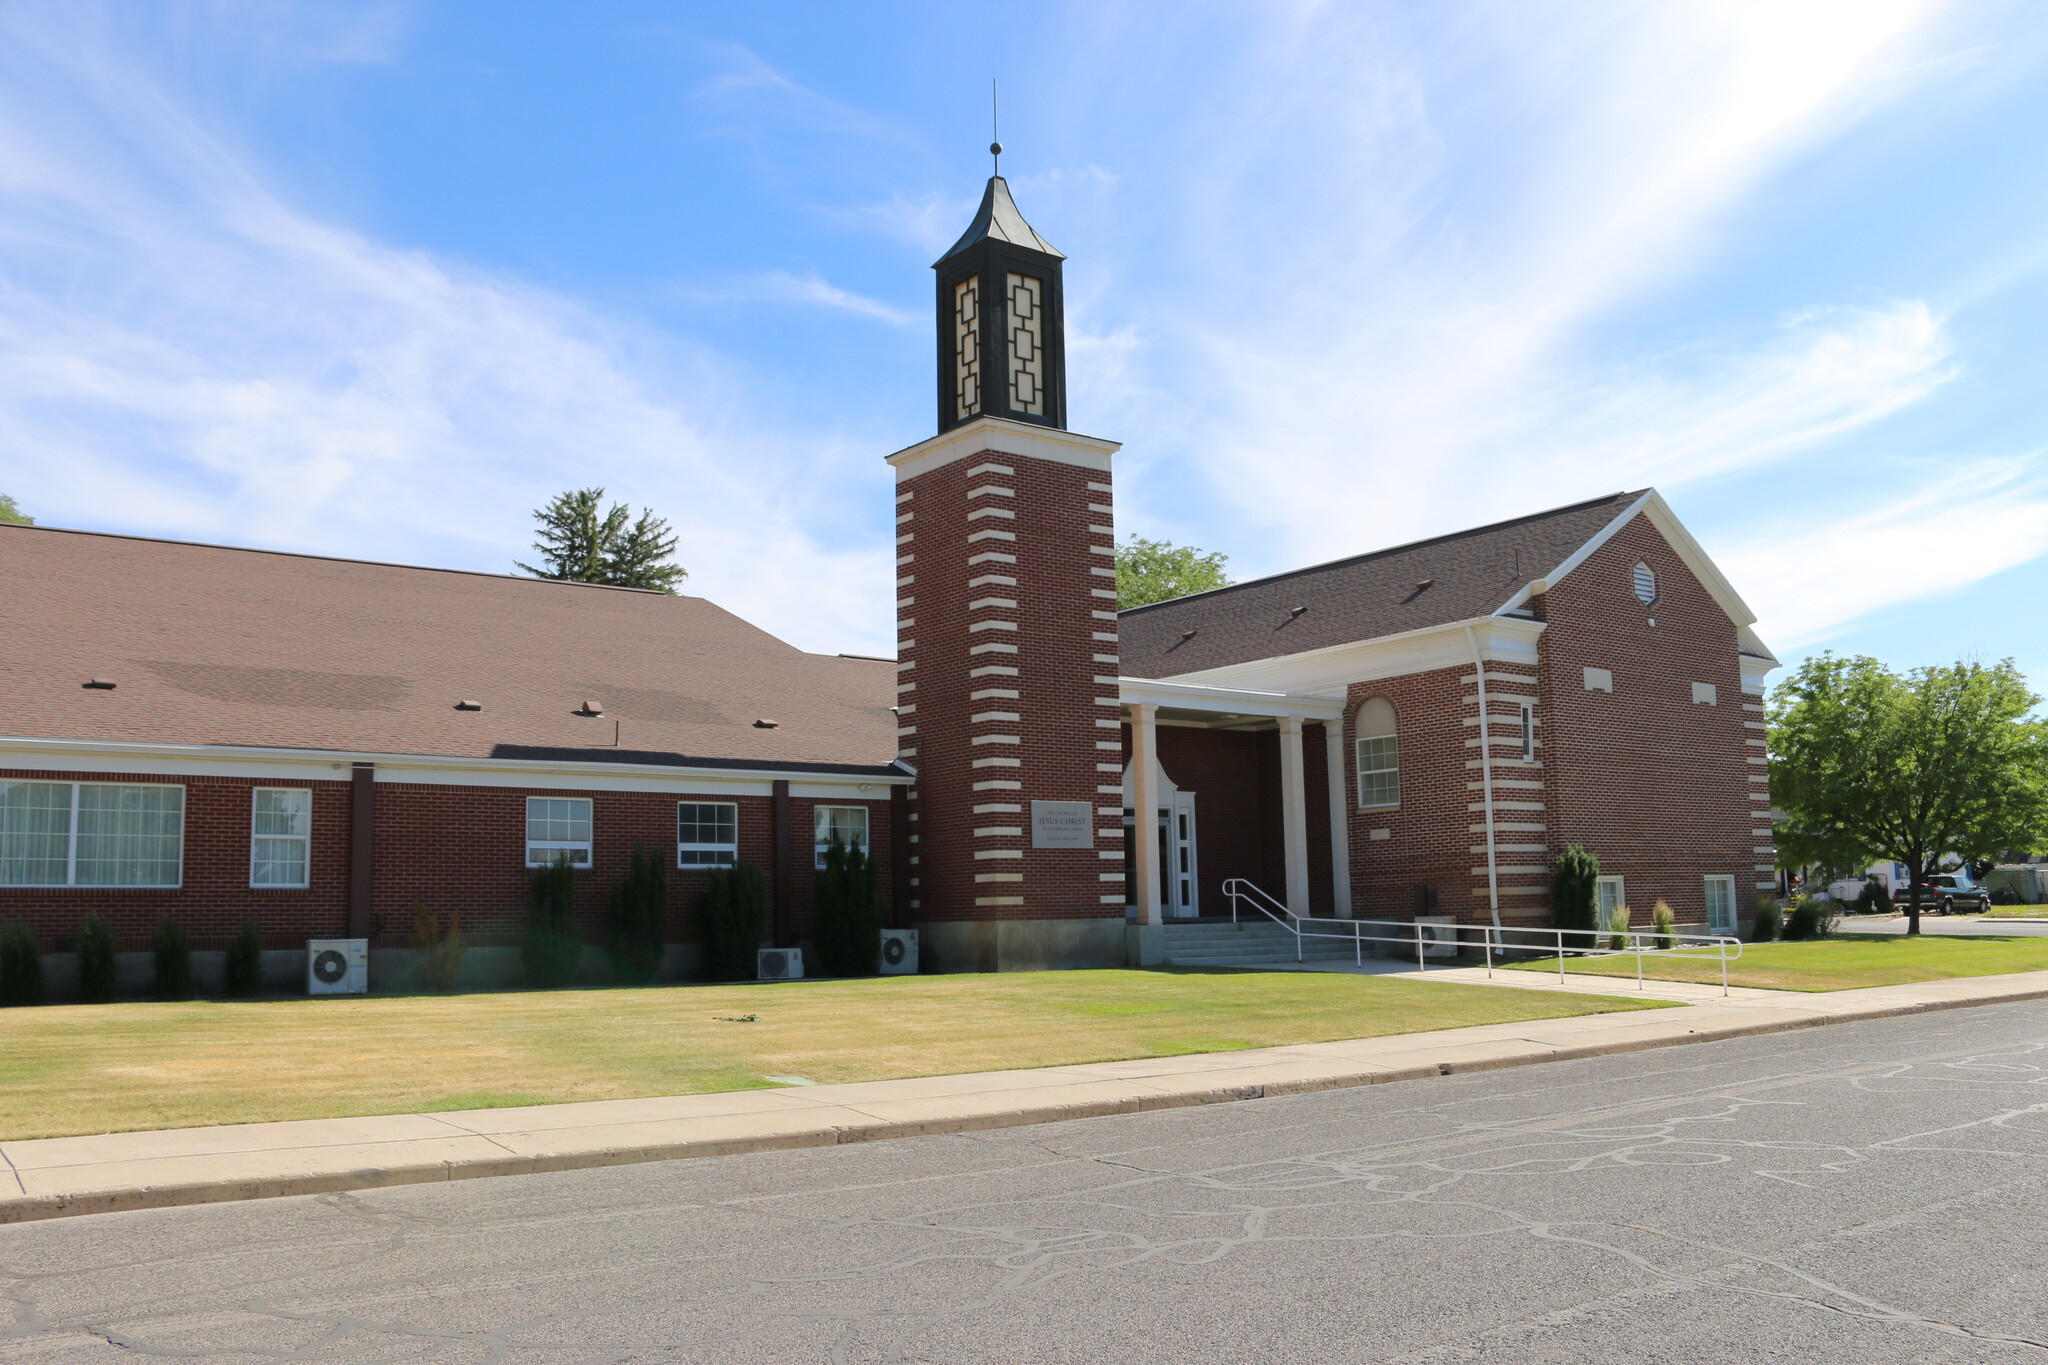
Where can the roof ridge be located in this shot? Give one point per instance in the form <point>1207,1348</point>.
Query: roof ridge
<point>329,559</point>
<point>1623,497</point>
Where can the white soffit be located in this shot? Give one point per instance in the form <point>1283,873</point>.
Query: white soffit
<point>997,436</point>
<point>1507,640</point>
<point>1186,696</point>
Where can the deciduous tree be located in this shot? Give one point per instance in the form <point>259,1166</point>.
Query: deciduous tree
<point>1149,571</point>
<point>1867,763</point>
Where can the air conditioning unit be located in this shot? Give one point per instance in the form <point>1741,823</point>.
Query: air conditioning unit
<point>337,966</point>
<point>1439,935</point>
<point>780,964</point>
<point>899,952</point>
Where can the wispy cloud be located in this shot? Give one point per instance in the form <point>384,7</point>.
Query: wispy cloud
<point>810,290</point>
<point>184,352</point>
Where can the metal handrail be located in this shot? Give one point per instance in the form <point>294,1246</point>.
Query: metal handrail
<point>1490,939</point>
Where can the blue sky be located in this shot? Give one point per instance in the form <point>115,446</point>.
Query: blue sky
<point>375,280</point>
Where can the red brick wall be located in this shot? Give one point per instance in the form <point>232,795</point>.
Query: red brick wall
<point>1235,776</point>
<point>447,847</point>
<point>1428,833</point>
<point>1654,784</point>
<point>1042,540</point>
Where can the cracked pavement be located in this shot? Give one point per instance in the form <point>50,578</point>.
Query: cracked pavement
<point>1863,1193</point>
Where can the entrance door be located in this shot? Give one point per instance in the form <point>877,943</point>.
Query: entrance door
<point>1179,891</point>
<point>1609,895</point>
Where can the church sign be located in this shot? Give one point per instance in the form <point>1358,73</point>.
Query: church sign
<point>1062,824</point>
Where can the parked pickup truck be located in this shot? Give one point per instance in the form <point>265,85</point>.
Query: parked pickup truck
<point>1951,893</point>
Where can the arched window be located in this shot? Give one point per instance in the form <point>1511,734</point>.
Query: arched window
<point>1379,756</point>
<point>1645,581</point>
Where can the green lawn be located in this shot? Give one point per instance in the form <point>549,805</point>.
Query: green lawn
<point>1837,964</point>
<point>2017,912</point>
<point>108,1068</point>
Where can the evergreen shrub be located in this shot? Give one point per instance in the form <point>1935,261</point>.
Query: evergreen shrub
<point>1810,918</point>
<point>730,912</point>
<point>636,920</point>
<point>1572,881</point>
<point>171,952</point>
<point>1770,920</point>
<point>1873,899</point>
<point>244,978</point>
<point>552,946</point>
<point>848,930</point>
<point>98,974</point>
<point>21,966</point>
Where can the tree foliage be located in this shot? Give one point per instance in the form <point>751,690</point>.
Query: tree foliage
<point>552,944</point>
<point>583,541</point>
<point>730,912</point>
<point>1149,571</point>
<point>1868,764</point>
<point>11,511</point>
<point>636,921</point>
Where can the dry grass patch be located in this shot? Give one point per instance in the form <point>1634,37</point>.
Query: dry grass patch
<point>111,1068</point>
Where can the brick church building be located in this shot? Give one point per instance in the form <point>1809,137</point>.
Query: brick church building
<point>322,746</point>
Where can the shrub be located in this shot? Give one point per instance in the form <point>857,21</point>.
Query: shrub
<point>1572,882</point>
<point>1617,924</point>
<point>1663,924</point>
<point>244,979</point>
<point>635,921</point>
<point>1770,919</point>
<point>1810,918</point>
<point>438,962</point>
<point>98,974</point>
<point>21,966</point>
<point>552,946</point>
<point>2005,895</point>
<point>730,911</point>
<point>172,953</point>
<point>848,931</point>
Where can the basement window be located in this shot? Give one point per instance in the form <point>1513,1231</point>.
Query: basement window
<point>707,833</point>
<point>280,832</point>
<point>557,827</point>
<point>849,824</point>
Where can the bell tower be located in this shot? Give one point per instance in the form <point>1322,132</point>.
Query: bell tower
<point>1002,324</point>
<point>1007,698</point>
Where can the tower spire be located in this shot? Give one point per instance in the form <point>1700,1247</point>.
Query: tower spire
<point>1001,319</point>
<point>995,128</point>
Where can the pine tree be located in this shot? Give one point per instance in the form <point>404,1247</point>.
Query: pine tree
<point>583,541</point>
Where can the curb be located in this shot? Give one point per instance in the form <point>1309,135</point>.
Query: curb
<point>36,1208</point>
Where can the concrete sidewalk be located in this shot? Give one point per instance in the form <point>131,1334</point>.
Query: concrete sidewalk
<point>57,1177</point>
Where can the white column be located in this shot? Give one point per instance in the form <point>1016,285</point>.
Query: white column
<point>1340,816</point>
<point>1145,811</point>
<point>1294,813</point>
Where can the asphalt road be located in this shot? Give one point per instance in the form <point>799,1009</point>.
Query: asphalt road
<point>1863,1193</point>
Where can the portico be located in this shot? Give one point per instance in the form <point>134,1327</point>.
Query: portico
<point>1234,767</point>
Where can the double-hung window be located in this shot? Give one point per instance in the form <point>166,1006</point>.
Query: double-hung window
<point>1379,756</point>
<point>91,834</point>
<point>849,823</point>
<point>707,833</point>
<point>280,830</point>
<point>1720,905</point>
<point>557,827</point>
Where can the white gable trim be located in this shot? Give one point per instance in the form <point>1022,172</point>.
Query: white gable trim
<point>1652,507</point>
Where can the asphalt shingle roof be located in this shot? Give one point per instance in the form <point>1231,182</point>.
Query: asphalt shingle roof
<point>1386,592</point>
<point>213,645</point>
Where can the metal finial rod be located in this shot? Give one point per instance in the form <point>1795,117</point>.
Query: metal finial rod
<point>995,126</point>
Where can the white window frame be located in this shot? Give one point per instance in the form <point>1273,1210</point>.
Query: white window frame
<point>551,847</point>
<point>304,841</point>
<point>1358,753</point>
<point>71,840</point>
<point>1602,907</point>
<point>821,832</point>
<point>731,851</point>
<point>1708,884</point>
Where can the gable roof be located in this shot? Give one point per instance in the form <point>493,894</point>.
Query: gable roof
<point>1468,574</point>
<point>213,645</point>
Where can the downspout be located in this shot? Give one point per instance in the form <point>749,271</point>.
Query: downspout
<point>1486,781</point>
